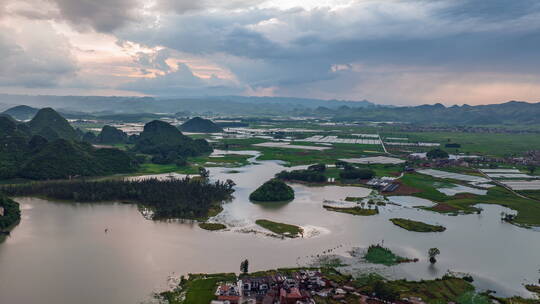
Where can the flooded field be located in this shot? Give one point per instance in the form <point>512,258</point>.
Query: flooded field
<point>68,258</point>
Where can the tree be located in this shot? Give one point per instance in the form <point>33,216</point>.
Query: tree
<point>244,266</point>
<point>532,169</point>
<point>317,167</point>
<point>230,184</point>
<point>437,153</point>
<point>433,252</point>
<point>205,174</point>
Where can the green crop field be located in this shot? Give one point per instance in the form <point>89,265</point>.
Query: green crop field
<point>528,209</point>
<point>496,144</point>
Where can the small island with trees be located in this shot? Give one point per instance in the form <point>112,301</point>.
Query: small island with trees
<point>377,254</point>
<point>212,226</point>
<point>416,225</point>
<point>273,190</point>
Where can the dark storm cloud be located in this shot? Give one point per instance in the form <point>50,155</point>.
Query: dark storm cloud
<point>100,15</point>
<point>457,35</point>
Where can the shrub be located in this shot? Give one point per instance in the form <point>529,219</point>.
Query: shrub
<point>437,153</point>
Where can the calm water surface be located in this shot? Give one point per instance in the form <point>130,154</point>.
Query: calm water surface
<point>60,254</point>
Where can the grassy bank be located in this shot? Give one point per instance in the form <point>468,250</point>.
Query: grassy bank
<point>378,254</point>
<point>200,288</point>
<point>416,226</point>
<point>528,209</point>
<point>282,229</point>
<point>354,210</point>
<point>228,160</point>
<point>197,289</point>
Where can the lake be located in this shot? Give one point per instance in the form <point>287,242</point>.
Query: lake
<point>60,253</point>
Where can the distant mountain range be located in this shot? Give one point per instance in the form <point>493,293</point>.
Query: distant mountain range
<point>513,112</point>
<point>231,105</point>
<point>22,112</point>
<point>147,108</point>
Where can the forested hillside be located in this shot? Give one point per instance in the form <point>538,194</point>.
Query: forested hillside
<point>167,144</point>
<point>46,148</point>
<point>200,125</point>
<point>51,125</point>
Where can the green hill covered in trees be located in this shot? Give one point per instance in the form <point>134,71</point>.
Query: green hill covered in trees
<point>273,190</point>
<point>21,112</point>
<point>51,125</point>
<point>200,125</point>
<point>111,135</point>
<point>26,154</point>
<point>63,159</point>
<point>167,144</point>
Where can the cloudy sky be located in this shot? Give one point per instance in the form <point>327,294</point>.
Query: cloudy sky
<point>387,51</point>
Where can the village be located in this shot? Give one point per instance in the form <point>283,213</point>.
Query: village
<point>300,287</point>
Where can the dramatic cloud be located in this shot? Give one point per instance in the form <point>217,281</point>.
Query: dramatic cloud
<point>188,6</point>
<point>390,51</point>
<point>183,82</point>
<point>101,15</point>
<point>38,58</point>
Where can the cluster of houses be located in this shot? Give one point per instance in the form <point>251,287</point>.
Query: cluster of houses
<point>301,287</point>
<point>384,184</point>
<point>529,158</point>
<point>296,288</point>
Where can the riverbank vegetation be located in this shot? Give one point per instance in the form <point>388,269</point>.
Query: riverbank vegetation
<point>377,254</point>
<point>308,176</point>
<point>174,198</point>
<point>282,229</point>
<point>273,190</point>
<point>10,215</point>
<point>416,226</point>
<point>533,288</point>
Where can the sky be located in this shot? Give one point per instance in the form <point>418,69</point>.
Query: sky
<point>401,52</point>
